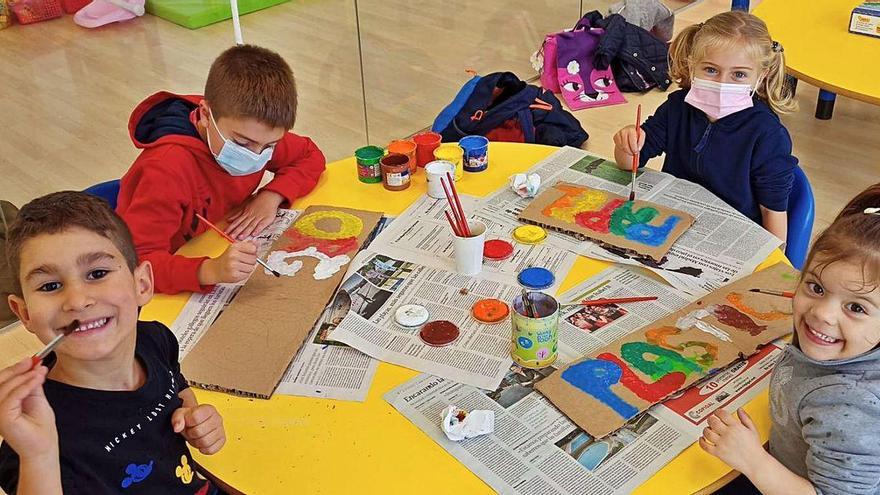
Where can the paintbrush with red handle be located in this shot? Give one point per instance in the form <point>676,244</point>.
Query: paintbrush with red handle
<point>232,241</point>
<point>37,358</point>
<point>635,164</point>
<point>618,300</point>
<point>463,226</point>
<point>770,292</point>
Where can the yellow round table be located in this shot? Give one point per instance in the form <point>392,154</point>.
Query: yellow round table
<point>303,445</point>
<point>820,50</point>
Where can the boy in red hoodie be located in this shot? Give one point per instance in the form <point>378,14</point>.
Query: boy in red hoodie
<point>207,155</point>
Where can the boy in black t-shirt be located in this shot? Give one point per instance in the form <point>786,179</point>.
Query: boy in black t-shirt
<point>109,411</point>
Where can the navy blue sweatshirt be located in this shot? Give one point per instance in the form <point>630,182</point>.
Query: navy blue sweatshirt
<point>744,158</point>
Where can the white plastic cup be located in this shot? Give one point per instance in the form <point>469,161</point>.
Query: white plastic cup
<point>435,170</point>
<point>469,250</point>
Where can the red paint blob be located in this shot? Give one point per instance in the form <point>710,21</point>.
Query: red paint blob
<point>300,242</point>
<point>439,333</point>
<point>598,220</point>
<point>497,249</point>
<point>651,392</point>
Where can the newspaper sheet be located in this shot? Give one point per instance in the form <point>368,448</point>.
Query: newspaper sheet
<point>721,246</point>
<point>422,234</point>
<point>583,330</point>
<point>536,450</point>
<point>322,368</point>
<point>380,284</point>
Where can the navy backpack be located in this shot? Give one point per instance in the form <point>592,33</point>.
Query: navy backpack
<point>502,107</point>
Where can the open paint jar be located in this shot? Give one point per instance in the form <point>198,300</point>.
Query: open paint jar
<point>534,337</point>
<point>395,171</point>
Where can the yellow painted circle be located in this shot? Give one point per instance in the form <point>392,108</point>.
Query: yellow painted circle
<point>350,225</point>
<point>529,234</point>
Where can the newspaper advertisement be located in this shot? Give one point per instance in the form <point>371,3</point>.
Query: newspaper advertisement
<point>721,246</point>
<point>322,368</point>
<point>379,284</point>
<point>729,389</point>
<point>422,234</point>
<point>584,329</point>
<point>537,450</point>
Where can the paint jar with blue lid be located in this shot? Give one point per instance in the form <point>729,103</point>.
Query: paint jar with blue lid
<point>475,153</point>
<point>536,278</point>
<point>535,337</point>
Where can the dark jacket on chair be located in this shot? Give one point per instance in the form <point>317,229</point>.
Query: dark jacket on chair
<point>638,59</point>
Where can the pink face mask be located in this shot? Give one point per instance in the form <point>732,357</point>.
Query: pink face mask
<point>718,100</point>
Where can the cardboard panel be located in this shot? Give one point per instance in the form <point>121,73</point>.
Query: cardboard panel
<point>639,227</point>
<point>623,379</point>
<point>248,348</point>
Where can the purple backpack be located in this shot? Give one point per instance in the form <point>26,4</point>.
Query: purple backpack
<point>581,83</point>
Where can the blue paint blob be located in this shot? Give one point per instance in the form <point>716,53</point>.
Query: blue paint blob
<point>649,234</point>
<point>524,342</point>
<point>536,278</point>
<point>595,377</point>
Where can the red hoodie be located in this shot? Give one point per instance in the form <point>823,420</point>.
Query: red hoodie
<point>176,176</point>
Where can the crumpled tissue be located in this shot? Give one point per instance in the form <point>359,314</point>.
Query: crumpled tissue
<point>525,185</point>
<point>459,424</point>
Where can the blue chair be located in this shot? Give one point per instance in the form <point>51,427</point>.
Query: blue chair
<point>108,191</point>
<point>801,213</point>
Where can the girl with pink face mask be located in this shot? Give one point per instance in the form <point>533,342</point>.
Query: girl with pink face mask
<point>722,129</point>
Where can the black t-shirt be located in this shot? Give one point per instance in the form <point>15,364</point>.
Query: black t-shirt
<point>121,442</point>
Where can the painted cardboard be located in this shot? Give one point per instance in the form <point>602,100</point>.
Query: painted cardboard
<point>614,384</point>
<point>569,208</point>
<point>248,348</point>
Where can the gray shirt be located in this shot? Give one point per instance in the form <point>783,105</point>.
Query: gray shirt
<point>826,420</point>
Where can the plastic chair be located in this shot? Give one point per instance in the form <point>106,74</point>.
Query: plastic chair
<point>108,191</point>
<point>801,213</point>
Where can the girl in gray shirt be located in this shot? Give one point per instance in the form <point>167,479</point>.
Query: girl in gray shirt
<point>825,390</point>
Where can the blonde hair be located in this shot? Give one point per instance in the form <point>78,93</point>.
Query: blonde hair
<point>735,30</point>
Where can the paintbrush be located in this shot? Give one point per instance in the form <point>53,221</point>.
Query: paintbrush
<point>618,300</point>
<point>780,293</point>
<point>232,241</point>
<point>527,305</point>
<point>37,358</point>
<point>635,164</point>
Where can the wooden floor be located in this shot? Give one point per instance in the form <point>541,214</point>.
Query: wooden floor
<point>67,92</point>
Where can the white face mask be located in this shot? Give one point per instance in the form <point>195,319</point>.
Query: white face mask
<point>237,160</point>
<point>718,100</point>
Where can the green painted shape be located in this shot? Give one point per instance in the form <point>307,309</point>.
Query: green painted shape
<point>668,361</point>
<point>623,217</point>
<point>194,14</point>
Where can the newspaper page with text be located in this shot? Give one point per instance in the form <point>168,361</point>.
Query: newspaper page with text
<point>381,284</point>
<point>535,449</point>
<point>422,235</point>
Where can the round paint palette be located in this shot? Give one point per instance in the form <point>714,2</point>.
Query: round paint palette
<point>529,234</point>
<point>490,310</point>
<point>536,278</point>
<point>411,315</point>
<point>439,333</point>
<point>497,250</point>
